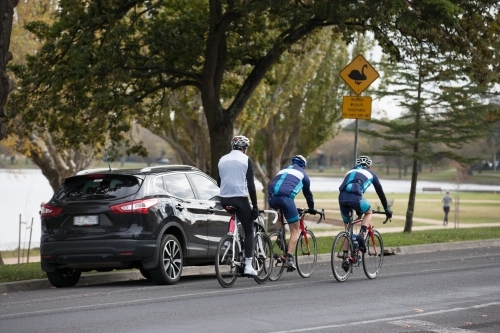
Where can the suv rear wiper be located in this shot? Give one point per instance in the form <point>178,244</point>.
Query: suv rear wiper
<point>98,196</point>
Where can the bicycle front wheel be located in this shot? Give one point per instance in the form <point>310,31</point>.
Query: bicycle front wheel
<point>279,255</point>
<point>306,254</point>
<point>374,256</point>
<point>341,250</point>
<point>262,257</point>
<point>227,261</point>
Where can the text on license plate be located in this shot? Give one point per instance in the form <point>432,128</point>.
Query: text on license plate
<point>86,220</point>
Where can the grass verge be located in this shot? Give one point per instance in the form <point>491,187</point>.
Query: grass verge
<point>29,271</point>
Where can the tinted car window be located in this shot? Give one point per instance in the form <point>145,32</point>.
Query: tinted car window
<point>97,186</point>
<point>207,189</point>
<point>178,185</point>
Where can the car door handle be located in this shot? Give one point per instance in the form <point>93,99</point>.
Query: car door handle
<point>179,207</point>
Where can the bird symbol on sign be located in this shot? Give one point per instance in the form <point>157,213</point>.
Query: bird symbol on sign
<point>357,76</point>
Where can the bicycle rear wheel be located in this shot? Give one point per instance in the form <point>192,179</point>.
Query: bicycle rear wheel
<point>279,253</point>
<point>262,257</point>
<point>374,256</point>
<point>226,268</point>
<point>306,254</point>
<point>341,266</point>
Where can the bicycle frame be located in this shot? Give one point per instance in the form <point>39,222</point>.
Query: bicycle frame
<point>369,230</point>
<point>302,228</point>
<point>350,230</point>
<point>234,228</point>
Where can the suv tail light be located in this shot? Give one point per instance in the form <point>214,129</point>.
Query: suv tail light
<point>136,206</point>
<point>50,211</point>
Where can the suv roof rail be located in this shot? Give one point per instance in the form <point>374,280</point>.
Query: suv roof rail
<point>87,171</point>
<point>170,167</point>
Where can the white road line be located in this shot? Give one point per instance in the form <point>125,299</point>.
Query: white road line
<point>425,325</point>
<point>382,320</point>
<point>228,290</point>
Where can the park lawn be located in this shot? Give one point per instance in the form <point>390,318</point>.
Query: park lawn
<point>398,239</point>
<point>20,272</point>
<point>473,207</point>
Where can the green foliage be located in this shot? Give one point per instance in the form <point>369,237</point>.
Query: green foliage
<point>444,110</point>
<point>103,63</point>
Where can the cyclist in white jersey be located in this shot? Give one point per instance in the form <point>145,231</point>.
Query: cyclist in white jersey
<point>236,182</point>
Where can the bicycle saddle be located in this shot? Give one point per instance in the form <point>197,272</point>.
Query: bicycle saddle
<point>230,209</point>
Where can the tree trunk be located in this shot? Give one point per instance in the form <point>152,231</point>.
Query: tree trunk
<point>414,174</point>
<point>411,200</point>
<point>6,84</point>
<point>399,167</point>
<point>1,260</point>
<point>221,132</point>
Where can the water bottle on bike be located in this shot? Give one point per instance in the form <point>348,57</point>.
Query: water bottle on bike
<point>355,242</point>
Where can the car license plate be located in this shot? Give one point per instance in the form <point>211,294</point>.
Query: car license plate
<point>83,221</point>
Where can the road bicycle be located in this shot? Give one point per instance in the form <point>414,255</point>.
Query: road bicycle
<point>306,251</point>
<point>346,254</point>
<point>230,256</point>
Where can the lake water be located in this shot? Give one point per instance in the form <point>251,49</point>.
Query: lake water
<point>22,191</point>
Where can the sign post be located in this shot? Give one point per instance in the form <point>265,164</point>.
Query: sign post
<point>358,75</point>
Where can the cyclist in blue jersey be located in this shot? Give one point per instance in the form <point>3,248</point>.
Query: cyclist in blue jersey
<point>355,183</point>
<point>282,191</point>
<point>236,182</point>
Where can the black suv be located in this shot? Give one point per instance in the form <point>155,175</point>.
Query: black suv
<point>156,219</point>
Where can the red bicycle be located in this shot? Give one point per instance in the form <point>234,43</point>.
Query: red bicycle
<point>306,251</point>
<point>346,255</point>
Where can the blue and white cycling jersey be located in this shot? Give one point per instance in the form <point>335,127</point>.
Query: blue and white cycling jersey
<point>358,180</point>
<point>289,182</point>
<point>355,184</point>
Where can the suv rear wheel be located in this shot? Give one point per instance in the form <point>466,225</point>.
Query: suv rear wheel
<point>64,277</point>
<point>170,264</point>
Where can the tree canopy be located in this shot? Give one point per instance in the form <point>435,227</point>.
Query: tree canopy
<point>103,61</point>
<point>444,109</point>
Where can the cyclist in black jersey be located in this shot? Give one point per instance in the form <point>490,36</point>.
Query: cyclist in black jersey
<point>236,182</point>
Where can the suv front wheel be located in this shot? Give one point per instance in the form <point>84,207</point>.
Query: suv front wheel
<point>64,277</point>
<point>170,264</point>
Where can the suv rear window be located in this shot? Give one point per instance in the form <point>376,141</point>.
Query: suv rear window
<point>96,186</point>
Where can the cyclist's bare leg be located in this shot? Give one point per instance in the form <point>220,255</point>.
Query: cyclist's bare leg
<point>294,236</point>
<point>367,218</point>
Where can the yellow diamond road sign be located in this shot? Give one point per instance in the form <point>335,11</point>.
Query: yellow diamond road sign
<point>359,74</point>
<point>357,107</point>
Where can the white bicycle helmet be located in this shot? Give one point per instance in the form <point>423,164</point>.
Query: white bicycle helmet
<point>240,142</point>
<point>299,160</point>
<point>364,160</point>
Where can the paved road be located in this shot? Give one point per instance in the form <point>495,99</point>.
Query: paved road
<point>446,291</point>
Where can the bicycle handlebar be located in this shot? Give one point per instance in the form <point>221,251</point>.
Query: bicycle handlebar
<point>270,211</point>
<point>306,211</point>
<point>381,212</point>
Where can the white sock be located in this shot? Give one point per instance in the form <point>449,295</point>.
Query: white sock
<point>248,262</point>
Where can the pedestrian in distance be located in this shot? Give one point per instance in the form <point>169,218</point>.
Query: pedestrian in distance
<point>446,206</point>
<point>236,182</point>
<point>282,191</point>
